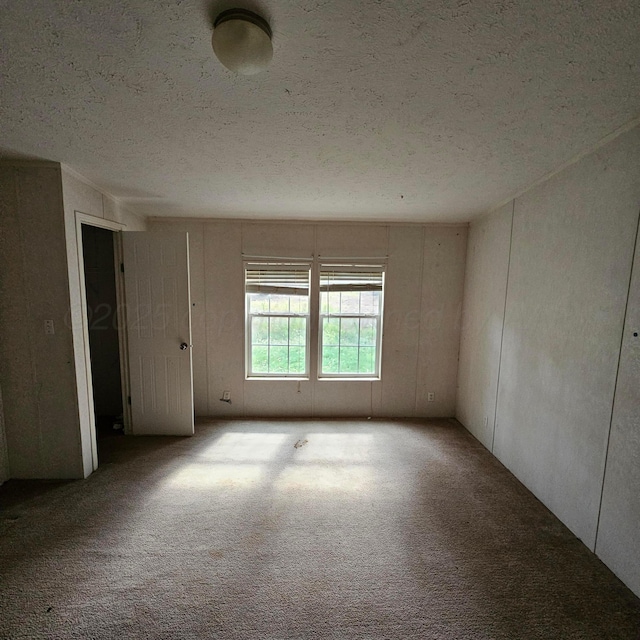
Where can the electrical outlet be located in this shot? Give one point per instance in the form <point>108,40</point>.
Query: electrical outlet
<point>431,396</point>
<point>226,395</point>
<point>49,328</point>
<point>486,421</point>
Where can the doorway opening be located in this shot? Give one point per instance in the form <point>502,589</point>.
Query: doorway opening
<point>103,328</point>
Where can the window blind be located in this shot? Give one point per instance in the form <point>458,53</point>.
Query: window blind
<point>351,278</point>
<point>283,279</point>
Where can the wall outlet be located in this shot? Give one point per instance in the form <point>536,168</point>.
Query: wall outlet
<point>49,328</point>
<point>226,395</point>
<point>486,421</point>
<point>431,396</point>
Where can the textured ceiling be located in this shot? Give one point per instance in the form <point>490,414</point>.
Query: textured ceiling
<point>371,109</point>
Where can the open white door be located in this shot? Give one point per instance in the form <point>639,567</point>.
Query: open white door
<point>158,311</point>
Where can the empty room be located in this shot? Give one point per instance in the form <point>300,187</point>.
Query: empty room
<point>319,319</point>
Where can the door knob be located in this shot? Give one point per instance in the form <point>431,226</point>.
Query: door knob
<point>184,346</point>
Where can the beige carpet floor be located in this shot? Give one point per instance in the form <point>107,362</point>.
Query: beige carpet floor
<point>295,530</point>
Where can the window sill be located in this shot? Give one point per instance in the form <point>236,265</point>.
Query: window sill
<point>320,379</point>
<point>275,378</point>
<point>347,379</point>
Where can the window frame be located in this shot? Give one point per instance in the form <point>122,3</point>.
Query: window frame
<point>354,267</point>
<point>276,265</point>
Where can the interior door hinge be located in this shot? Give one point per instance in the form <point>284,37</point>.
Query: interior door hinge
<point>122,267</point>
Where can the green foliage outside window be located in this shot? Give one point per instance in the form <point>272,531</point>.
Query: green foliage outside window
<point>278,343</point>
<point>349,343</point>
<point>278,319</point>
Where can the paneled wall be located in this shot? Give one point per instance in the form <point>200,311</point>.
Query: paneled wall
<point>423,300</point>
<point>42,373</point>
<point>547,288</point>
<point>482,323</point>
<point>619,531</point>
<point>37,372</point>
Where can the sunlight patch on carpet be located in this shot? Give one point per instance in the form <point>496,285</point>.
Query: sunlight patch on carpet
<point>318,478</point>
<point>216,476</point>
<point>337,447</point>
<point>246,446</point>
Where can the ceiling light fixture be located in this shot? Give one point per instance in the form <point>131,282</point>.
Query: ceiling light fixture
<point>242,41</point>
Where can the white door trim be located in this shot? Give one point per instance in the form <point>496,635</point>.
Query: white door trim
<point>84,218</point>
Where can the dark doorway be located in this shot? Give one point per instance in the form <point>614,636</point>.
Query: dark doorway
<point>100,284</point>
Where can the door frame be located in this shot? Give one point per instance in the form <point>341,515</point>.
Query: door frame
<point>116,227</point>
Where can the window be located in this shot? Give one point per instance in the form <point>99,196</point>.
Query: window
<point>350,320</point>
<point>278,326</point>
<point>277,330</point>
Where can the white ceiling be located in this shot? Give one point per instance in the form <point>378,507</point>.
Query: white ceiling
<point>371,109</point>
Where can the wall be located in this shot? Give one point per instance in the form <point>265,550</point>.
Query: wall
<point>82,197</point>
<point>482,323</point>
<point>618,538</point>
<point>37,373</point>
<point>421,325</point>
<point>565,268</point>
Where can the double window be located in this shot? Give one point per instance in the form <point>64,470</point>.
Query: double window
<point>279,331</point>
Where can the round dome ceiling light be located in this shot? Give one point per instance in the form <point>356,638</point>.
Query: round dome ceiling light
<point>242,41</point>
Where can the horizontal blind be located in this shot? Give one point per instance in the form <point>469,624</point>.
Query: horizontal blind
<point>351,278</point>
<point>285,279</point>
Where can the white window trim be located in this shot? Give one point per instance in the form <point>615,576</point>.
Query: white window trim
<point>356,265</point>
<point>314,324</point>
<point>282,266</point>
